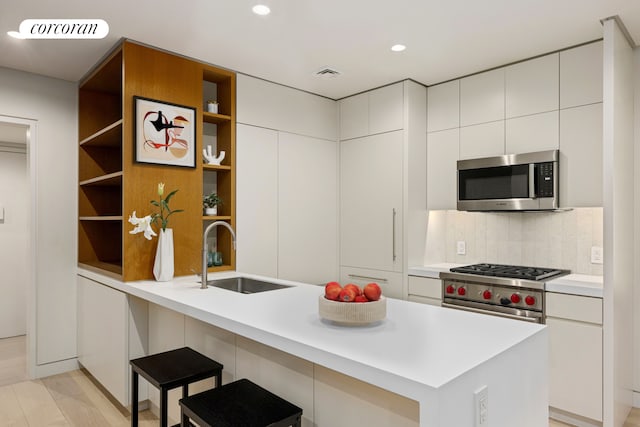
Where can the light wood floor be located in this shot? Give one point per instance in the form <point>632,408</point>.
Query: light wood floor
<point>72,399</point>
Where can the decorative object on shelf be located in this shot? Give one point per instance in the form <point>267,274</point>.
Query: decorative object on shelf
<point>210,204</point>
<point>217,259</point>
<point>163,264</point>
<point>165,133</point>
<point>210,159</point>
<point>212,106</point>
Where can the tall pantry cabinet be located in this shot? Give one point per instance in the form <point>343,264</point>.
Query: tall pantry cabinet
<point>112,185</point>
<point>382,187</point>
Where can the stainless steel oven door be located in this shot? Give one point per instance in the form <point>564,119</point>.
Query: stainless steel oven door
<point>508,312</point>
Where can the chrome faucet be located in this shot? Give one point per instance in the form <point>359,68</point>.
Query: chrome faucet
<point>205,247</point>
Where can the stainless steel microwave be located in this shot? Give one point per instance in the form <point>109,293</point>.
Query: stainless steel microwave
<point>515,182</point>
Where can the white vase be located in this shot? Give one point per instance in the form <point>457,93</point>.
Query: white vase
<point>211,211</point>
<point>163,265</point>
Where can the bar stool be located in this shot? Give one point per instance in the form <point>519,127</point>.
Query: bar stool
<point>169,370</point>
<point>239,404</point>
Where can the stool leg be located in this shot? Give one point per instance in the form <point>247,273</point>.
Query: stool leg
<point>185,419</point>
<point>185,391</point>
<point>134,398</point>
<point>163,408</point>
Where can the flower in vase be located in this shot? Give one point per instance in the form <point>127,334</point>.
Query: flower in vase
<point>142,225</point>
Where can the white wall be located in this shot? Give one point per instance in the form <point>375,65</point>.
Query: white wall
<point>14,198</point>
<point>53,104</point>
<point>636,305</point>
<point>618,204</point>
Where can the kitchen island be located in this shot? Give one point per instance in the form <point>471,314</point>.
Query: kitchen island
<point>433,359</point>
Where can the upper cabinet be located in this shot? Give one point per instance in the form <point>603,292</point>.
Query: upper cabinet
<point>581,75</point>
<point>373,112</point>
<point>443,106</point>
<point>531,87</point>
<point>113,184</point>
<point>482,98</point>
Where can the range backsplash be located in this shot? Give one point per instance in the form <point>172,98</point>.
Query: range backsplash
<point>541,239</point>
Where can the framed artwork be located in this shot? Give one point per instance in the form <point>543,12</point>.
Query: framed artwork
<point>165,133</point>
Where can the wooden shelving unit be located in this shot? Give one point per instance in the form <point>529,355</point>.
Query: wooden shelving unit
<point>112,185</point>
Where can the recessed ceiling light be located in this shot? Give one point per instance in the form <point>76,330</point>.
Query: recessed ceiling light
<point>398,47</point>
<point>15,34</point>
<point>261,9</point>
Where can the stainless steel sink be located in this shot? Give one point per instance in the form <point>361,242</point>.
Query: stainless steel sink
<point>245,285</point>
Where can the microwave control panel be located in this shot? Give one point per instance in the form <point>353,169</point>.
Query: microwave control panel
<point>544,172</point>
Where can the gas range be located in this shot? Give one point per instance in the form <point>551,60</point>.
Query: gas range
<point>503,290</point>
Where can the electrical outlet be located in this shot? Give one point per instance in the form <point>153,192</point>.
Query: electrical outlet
<point>596,255</point>
<point>461,247</point>
<point>481,400</point>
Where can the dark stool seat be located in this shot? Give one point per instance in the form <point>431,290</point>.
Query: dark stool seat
<point>239,404</point>
<point>168,370</point>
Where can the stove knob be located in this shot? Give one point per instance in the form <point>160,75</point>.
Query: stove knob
<point>530,300</point>
<point>462,291</point>
<point>450,289</point>
<point>515,298</point>
<point>487,294</point>
<point>505,301</point>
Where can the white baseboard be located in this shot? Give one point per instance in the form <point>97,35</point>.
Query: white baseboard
<point>46,370</point>
<point>572,419</point>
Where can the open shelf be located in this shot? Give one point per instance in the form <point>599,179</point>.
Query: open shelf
<point>101,218</point>
<point>109,136</point>
<point>215,118</point>
<point>110,180</point>
<point>216,167</point>
<point>216,218</point>
<point>220,268</point>
<point>114,267</point>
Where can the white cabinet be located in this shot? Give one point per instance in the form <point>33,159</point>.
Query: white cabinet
<point>371,202</point>
<point>442,155</point>
<point>390,282</point>
<point>377,111</point>
<point>443,106</point>
<point>112,329</point>
<point>581,75</point>
<point>532,86</point>
<point>483,140</point>
<point>257,200</point>
<point>307,208</point>
<point>354,116</point>
<point>537,132</point>
<point>482,98</point>
<point>575,354</point>
<point>581,156</point>
<point>425,290</point>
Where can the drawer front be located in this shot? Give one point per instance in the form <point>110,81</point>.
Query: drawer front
<point>425,300</point>
<point>574,307</point>
<point>390,282</point>
<point>425,287</point>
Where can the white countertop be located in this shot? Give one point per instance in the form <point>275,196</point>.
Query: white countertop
<point>416,348</point>
<point>572,284</point>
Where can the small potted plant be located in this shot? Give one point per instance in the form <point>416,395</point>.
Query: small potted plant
<point>210,204</point>
<point>212,106</point>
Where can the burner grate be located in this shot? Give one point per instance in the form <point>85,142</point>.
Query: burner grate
<point>509,271</point>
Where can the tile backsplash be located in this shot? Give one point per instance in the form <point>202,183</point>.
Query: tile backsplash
<point>540,239</point>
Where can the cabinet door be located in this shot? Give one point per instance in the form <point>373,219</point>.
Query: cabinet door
<point>354,116</point>
<point>307,208</point>
<point>386,109</point>
<point>425,287</point>
<point>581,75</point>
<point>581,156</point>
<point>484,140</point>
<point>442,155</point>
<point>536,132</point>
<point>532,86</point>
<point>103,336</point>
<point>575,367</point>
<point>371,191</point>
<point>257,200</point>
<point>390,282</point>
<point>482,98</point>
<point>443,106</point>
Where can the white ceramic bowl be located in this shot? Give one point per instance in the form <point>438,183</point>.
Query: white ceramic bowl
<point>352,313</point>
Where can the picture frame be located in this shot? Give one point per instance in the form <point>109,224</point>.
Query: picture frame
<point>164,133</point>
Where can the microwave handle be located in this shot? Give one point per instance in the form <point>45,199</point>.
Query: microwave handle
<point>532,181</point>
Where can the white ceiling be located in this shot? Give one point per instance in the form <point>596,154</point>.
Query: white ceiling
<point>445,39</point>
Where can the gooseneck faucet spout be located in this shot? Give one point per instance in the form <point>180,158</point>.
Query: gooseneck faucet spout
<point>205,247</point>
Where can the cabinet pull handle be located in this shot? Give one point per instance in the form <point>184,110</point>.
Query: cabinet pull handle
<point>393,233</point>
<point>374,279</point>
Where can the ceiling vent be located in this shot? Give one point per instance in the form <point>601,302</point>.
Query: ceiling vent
<point>327,73</point>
